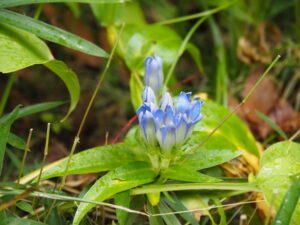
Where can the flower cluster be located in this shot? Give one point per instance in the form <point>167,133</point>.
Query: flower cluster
<point>164,121</point>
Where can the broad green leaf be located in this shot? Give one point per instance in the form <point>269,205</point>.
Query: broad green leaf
<point>19,221</point>
<point>234,129</point>
<point>122,199</point>
<point>50,33</point>
<point>145,41</point>
<point>150,40</point>
<point>70,80</point>
<point>186,174</point>
<point>288,204</point>
<point>279,150</point>
<point>16,141</point>
<point>5,125</point>
<point>117,14</point>
<point>279,164</point>
<point>97,159</point>
<point>11,3</point>
<point>121,179</point>
<point>20,49</point>
<point>272,124</point>
<point>215,151</point>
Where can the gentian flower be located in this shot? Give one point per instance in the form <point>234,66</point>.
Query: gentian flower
<point>154,74</point>
<point>168,124</point>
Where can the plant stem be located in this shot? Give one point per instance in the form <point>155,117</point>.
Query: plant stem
<point>6,92</point>
<point>182,47</point>
<point>195,186</point>
<point>194,16</point>
<point>26,150</point>
<point>234,110</point>
<point>77,137</point>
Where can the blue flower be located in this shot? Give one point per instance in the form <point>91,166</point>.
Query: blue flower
<point>168,124</point>
<point>154,74</point>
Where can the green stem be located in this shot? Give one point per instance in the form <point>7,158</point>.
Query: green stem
<point>26,150</point>
<point>183,46</point>
<point>38,11</point>
<point>6,92</point>
<point>194,16</point>
<point>195,186</point>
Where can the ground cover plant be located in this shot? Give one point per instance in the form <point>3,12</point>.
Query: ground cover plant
<point>193,118</point>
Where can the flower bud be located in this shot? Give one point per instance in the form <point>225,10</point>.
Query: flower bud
<point>148,95</point>
<point>154,74</point>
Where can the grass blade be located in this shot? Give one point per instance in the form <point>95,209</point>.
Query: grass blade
<point>288,204</point>
<point>50,33</point>
<point>5,125</point>
<point>11,3</point>
<point>272,124</point>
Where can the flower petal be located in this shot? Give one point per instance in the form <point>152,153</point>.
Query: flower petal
<point>154,74</point>
<point>182,103</point>
<point>148,127</point>
<point>166,100</point>
<point>148,95</point>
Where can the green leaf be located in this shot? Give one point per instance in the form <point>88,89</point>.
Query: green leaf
<point>16,141</point>
<point>19,221</point>
<point>121,179</point>
<point>97,159</point>
<point>40,107</point>
<point>116,14</point>
<point>279,164</point>
<point>177,205</point>
<point>152,39</point>
<point>5,125</point>
<point>272,124</point>
<point>11,3</point>
<point>69,78</point>
<point>36,108</point>
<point>279,150</point>
<point>221,211</point>
<point>154,220</point>
<point>288,204</point>
<point>215,151</point>
<point>234,129</point>
<point>136,87</point>
<point>169,219</point>
<point>196,55</point>
<point>20,49</point>
<point>137,203</point>
<point>50,33</point>
<point>186,174</point>
<point>145,41</point>
<point>122,199</point>
<point>25,206</point>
